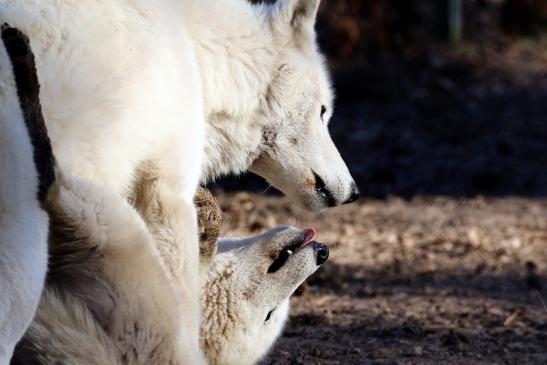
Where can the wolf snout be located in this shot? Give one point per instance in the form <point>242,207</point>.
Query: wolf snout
<point>322,253</point>
<point>354,194</point>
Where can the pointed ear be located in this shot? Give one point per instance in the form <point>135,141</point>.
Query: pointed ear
<point>298,17</point>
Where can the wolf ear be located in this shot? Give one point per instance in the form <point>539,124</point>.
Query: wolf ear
<point>297,17</point>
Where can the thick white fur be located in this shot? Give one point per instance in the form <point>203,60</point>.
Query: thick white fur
<point>240,293</point>
<point>265,84</point>
<point>121,89</point>
<point>23,224</point>
<point>130,75</point>
<point>128,86</point>
<point>110,299</point>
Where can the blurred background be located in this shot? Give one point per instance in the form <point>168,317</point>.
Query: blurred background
<point>441,116</point>
<point>422,109</point>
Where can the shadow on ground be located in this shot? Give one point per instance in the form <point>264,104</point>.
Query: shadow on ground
<point>515,286</point>
<point>353,315</point>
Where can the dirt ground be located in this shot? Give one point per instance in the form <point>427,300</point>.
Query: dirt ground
<point>420,281</point>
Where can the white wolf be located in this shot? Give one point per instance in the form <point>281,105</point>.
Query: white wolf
<point>26,172</point>
<point>154,95</point>
<point>108,303</point>
<point>245,300</point>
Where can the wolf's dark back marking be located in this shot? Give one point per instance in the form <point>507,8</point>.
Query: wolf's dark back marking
<point>28,90</point>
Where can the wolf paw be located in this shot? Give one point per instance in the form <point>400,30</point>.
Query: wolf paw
<point>209,222</point>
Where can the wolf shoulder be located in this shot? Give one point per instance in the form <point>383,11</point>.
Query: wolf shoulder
<point>119,78</point>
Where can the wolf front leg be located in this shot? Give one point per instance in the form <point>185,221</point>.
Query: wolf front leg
<point>209,222</point>
<point>165,186</point>
<point>164,199</point>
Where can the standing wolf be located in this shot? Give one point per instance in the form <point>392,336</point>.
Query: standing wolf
<point>148,97</point>
<point>26,173</point>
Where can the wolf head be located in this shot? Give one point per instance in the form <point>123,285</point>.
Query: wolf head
<point>299,156</point>
<point>246,299</point>
<point>268,99</point>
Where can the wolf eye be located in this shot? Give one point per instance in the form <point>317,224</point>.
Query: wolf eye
<point>323,111</point>
<point>269,315</point>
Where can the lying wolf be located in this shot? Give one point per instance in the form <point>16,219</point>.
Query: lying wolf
<point>108,299</point>
<point>148,97</point>
<point>245,300</point>
<point>26,173</point>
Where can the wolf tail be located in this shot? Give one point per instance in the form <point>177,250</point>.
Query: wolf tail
<point>27,90</point>
<point>26,173</point>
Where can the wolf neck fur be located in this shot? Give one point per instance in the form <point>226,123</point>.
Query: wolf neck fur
<point>237,56</point>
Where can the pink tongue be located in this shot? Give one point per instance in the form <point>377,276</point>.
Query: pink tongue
<point>310,235</point>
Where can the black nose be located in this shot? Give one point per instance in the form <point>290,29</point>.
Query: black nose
<point>322,253</point>
<point>355,194</point>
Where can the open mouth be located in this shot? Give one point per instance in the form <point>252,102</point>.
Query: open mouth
<point>290,249</point>
<point>322,190</point>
